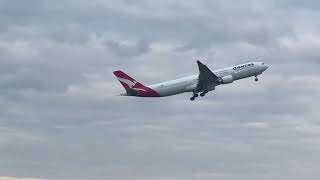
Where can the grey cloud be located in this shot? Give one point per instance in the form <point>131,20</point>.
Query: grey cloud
<point>312,5</point>
<point>61,118</point>
<point>130,50</point>
<point>216,27</point>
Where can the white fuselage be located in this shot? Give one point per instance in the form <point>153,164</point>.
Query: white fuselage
<point>189,84</point>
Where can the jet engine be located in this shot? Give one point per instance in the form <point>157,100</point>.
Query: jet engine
<point>227,79</point>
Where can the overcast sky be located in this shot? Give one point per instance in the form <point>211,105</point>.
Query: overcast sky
<point>61,118</point>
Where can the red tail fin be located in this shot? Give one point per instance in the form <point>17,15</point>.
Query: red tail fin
<point>133,87</point>
<point>126,81</point>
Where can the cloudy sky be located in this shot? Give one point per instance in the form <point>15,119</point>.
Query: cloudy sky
<point>61,118</point>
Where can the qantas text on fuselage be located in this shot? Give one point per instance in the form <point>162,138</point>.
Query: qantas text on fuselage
<point>201,84</point>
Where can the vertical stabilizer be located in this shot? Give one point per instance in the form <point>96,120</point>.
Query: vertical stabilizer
<point>133,87</point>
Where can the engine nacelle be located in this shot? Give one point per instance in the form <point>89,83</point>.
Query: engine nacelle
<point>227,79</point>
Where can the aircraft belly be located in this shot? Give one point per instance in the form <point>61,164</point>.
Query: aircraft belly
<point>171,89</point>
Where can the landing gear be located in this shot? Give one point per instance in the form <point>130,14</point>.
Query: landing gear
<point>203,93</point>
<point>256,79</point>
<point>194,97</point>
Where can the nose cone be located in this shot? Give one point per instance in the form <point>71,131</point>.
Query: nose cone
<point>264,66</point>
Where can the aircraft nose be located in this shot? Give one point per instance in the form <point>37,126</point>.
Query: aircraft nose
<point>265,66</point>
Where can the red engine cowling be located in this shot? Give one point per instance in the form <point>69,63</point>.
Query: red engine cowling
<point>227,79</point>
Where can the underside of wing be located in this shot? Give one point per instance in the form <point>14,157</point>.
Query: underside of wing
<point>206,77</point>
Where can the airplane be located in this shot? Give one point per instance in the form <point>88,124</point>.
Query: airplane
<point>202,83</point>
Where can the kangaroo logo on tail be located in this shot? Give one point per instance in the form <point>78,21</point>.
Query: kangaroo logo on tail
<point>130,84</point>
<point>133,87</point>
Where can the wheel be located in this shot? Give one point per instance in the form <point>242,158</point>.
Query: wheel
<point>202,94</point>
<point>192,98</point>
<point>256,79</point>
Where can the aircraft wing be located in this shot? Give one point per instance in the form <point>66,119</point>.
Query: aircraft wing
<point>206,77</point>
